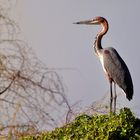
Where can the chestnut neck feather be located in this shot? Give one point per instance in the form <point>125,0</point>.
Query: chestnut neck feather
<point>98,39</point>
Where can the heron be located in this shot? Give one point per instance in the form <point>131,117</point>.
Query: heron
<point>113,65</point>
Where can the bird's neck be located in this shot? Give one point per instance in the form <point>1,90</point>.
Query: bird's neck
<point>98,39</point>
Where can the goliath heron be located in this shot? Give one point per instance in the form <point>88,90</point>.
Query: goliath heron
<point>113,65</point>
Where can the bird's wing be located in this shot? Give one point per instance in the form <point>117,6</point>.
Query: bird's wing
<point>118,71</point>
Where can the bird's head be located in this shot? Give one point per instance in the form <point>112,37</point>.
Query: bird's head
<point>94,21</point>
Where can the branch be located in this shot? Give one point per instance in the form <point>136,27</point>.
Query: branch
<point>9,84</point>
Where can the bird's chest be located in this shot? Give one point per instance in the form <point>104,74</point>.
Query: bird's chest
<point>101,58</point>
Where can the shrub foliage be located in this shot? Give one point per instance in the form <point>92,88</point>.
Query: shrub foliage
<point>122,126</point>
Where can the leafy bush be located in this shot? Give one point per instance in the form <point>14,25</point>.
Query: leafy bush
<point>123,126</point>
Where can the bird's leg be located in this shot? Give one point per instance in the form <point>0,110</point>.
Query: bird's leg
<point>111,97</point>
<point>115,97</point>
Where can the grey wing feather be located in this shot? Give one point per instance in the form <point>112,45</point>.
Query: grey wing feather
<point>118,71</point>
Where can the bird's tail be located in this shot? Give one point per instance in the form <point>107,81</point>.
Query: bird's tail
<point>129,93</point>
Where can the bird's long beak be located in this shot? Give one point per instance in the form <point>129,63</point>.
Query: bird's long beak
<point>87,22</point>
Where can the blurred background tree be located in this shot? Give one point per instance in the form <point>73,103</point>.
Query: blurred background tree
<point>32,96</point>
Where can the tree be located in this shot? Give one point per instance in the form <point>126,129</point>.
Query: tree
<point>31,94</point>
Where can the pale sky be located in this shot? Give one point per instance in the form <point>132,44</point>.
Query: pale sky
<point>47,27</point>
